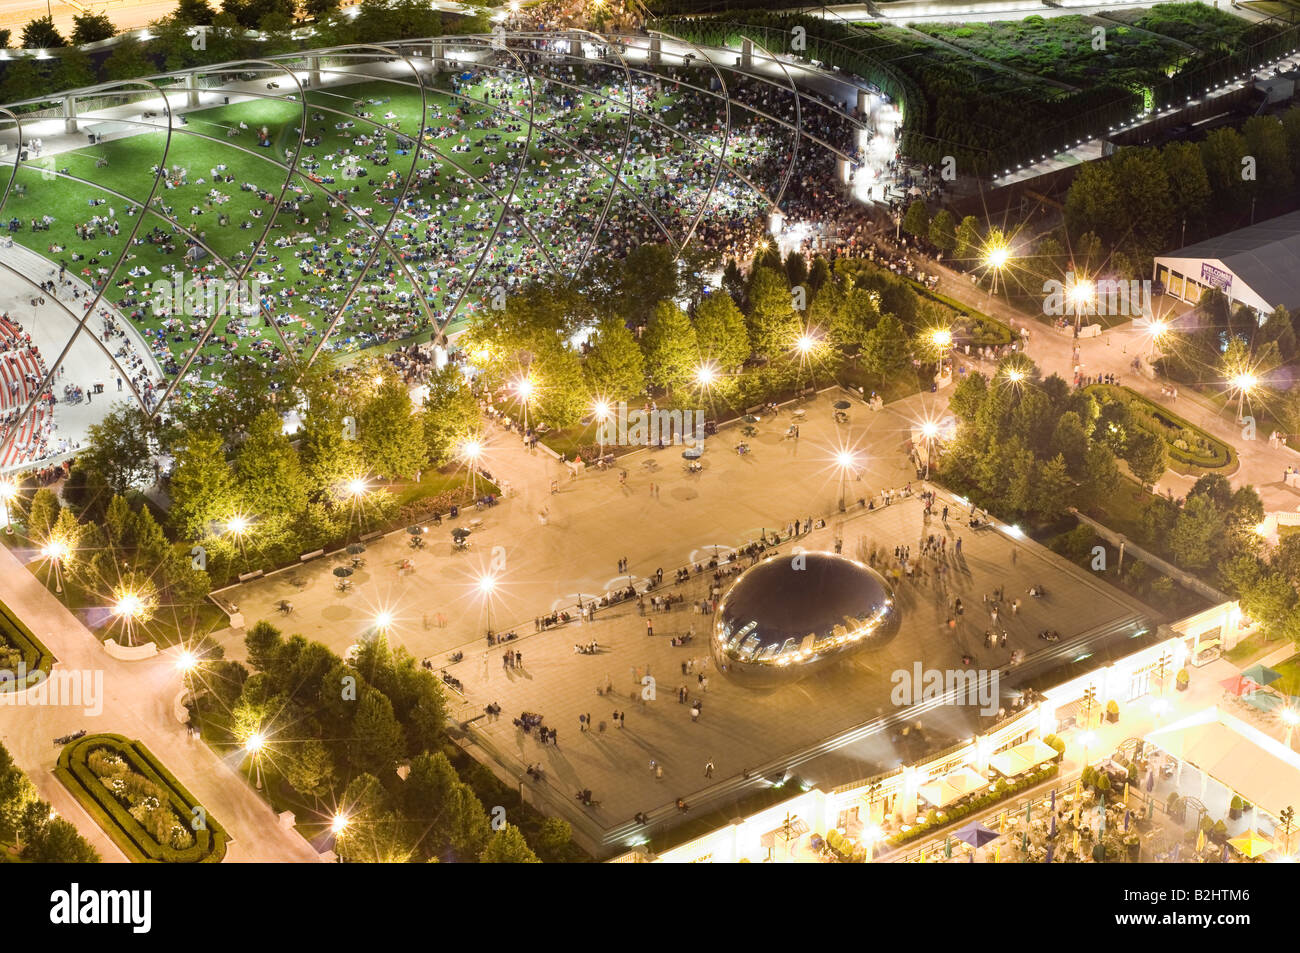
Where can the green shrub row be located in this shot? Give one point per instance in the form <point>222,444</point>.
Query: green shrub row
<point>1004,791</point>
<point>32,652</point>
<point>987,330</point>
<point>139,845</point>
<point>1199,448</point>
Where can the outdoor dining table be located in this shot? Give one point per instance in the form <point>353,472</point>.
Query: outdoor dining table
<point>693,453</point>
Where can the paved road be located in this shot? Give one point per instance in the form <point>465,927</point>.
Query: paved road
<point>137,703</point>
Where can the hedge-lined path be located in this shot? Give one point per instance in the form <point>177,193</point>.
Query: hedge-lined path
<point>1112,352</point>
<point>137,702</point>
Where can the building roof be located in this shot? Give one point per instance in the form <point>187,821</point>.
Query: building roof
<point>1264,256</point>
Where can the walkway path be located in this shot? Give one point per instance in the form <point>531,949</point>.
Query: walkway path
<point>137,702</point>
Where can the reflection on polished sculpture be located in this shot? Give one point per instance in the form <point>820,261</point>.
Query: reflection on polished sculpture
<point>787,617</point>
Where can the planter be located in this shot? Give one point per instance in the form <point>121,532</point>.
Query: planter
<point>1234,813</point>
<point>1181,686</point>
<point>1112,717</point>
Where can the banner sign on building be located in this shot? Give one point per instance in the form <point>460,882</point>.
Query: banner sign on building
<point>1216,278</point>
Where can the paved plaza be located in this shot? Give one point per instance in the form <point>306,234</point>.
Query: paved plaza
<point>836,727</point>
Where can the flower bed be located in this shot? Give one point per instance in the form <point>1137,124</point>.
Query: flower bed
<point>18,646</point>
<point>138,802</point>
<point>1185,442</point>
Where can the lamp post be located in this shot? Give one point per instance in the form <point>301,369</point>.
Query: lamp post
<point>1157,329</point>
<point>996,259</point>
<point>524,388</point>
<point>56,550</point>
<point>1243,383</point>
<point>487,585</point>
<point>601,411</point>
<point>1291,718</point>
<point>256,741</point>
<point>471,450</point>
<point>804,345</point>
<point>929,430</point>
<point>845,460</point>
<point>130,608</point>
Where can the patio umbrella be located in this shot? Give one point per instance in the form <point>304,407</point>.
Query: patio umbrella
<point>1052,809</point>
<point>1261,674</point>
<point>415,530</point>
<point>1052,832</point>
<point>1252,843</point>
<point>1264,701</point>
<point>1237,684</point>
<point>976,834</point>
<point>1050,848</point>
<point>342,571</point>
<point>750,419</point>
<point>841,405</point>
<point>947,846</point>
<point>355,549</point>
<point>459,533</point>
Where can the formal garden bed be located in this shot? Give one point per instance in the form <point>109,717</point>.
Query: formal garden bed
<point>19,648</point>
<point>138,802</point>
<point>1063,49</point>
<point>1189,447</point>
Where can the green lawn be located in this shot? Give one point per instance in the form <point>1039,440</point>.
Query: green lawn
<point>64,186</point>
<point>1289,683</point>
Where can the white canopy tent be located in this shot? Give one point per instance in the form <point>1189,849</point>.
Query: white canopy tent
<point>1022,758</point>
<point>952,787</point>
<point>1239,756</point>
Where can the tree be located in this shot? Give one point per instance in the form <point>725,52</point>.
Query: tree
<point>91,27</point>
<point>392,438</point>
<point>263,642</point>
<point>57,842</point>
<point>120,454</point>
<point>75,70</point>
<point>194,12</point>
<point>250,13</point>
<point>41,34</point>
<point>886,350</point>
<point>615,368</point>
<point>1198,525</point>
<point>311,769</point>
<point>444,808</point>
<point>1070,440</point>
<point>270,477</point>
<point>377,740</point>
<point>128,60</point>
<point>1100,473</point>
<point>720,332</point>
<point>329,454</point>
<point>1222,152</point>
<point>1052,488</point>
<point>1183,165</point>
<point>1266,142</point>
<point>671,351</point>
<point>317,9</point>
<point>917,220</point>
<point>968,237</point>
<point>773,324</point>
<point>202,487</point>
<point>24,78</point>
<point>508,847</point>
<point>1145,455</point>
<point>943,232</point>
<point>553,840</point>
<point>42,514</point>
<point>968,396</point>
<point>450,414</point>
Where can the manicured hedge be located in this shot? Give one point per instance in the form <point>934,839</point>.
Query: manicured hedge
<point>139,845</point>
<point>1212,454</point>
<point>984,330</point>
<point>974,804</point>
<point>34,653</point>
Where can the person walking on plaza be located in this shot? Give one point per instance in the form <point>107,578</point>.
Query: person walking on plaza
<point>649,627</point>
<point>708,768</point>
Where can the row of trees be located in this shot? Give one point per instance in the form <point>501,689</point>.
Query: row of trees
<point>31,825</point>
<point>782,316</point>
<point>337,733</point>
<point>1143,201</point>
<point>172,46</point>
